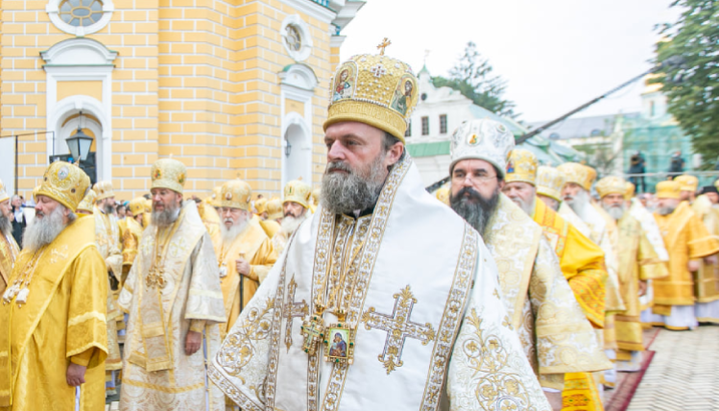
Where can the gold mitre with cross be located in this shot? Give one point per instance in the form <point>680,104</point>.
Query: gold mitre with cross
<point>168,173</point>
<point>481,139</point>
<point>521,166</point>
<point>214,197</point>
<point>611,185</point>
<point>136,206</point>
<point>87,202</point>
<point>550,182</point>
<point>373,89</point>
<point>274,209</point>
<point>103,189</point>
<point>299,192</point>
<point>578,174</point>
<point>687,182</point>
<point>668,189</point>
<point>3,192</point>
<point>64,183</point>
<point>235,194</point>
<point>629,193</point>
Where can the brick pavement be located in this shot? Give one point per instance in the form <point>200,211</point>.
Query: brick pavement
<point>684,373</point>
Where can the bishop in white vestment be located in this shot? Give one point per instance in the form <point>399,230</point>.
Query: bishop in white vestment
<point>384,299</point>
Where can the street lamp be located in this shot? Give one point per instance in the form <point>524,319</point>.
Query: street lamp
<point>288,148</point>
<point>79,145</point>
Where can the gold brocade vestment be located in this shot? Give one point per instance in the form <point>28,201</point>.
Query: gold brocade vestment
<point>62,321</point>
<point>8,253</point>
<point>107,237</point>
<point>685,238</point>
<point>173,287</point>
<point>637,262</point>
<point>707,278</point>
<point>257,249</point>
<point>554,331</point>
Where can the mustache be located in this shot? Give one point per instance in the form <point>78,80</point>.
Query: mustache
<point>228,220</point>
<point>469,191</point>
<point>338,166</point>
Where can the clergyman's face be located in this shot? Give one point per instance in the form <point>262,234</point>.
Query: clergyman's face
<point>667,202</point>
<point>6,209</point>
<point>164,198</point>
<point>570,191</point>
<point>44,206</point>
<point>476,174</point>
<point>549,201</point>
<point>521,193</point>
<point>232,216</point>
<point>293,209</point>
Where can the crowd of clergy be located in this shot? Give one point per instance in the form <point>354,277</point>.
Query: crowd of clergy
<point>516,286</point>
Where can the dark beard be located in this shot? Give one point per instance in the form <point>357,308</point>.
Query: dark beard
<point>108,208</point>
<point>476,210</point>
<point>358,190</point>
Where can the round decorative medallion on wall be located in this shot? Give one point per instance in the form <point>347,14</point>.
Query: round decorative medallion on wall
<point>296,37</point>
<point>80,17</point>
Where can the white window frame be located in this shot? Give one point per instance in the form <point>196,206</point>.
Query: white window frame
<point>53,11</point>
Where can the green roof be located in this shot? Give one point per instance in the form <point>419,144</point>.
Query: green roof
<point>436,148</point>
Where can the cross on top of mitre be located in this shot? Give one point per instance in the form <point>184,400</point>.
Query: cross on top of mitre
<point>383,45</point>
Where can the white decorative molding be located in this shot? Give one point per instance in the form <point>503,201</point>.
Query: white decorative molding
<point>80,59</point>
<point>303,29</point>
<point>337,41</point>
<point>297,126</point>
<point>300,76</point>
<point>53,8</point>
<point>73,52</point>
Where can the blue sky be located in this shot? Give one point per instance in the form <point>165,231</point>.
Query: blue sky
<point>555,54</point>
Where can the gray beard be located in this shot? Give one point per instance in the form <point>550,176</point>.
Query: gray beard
<point>5,225</point>
<point>616,212</point>
<point>290,224</point>
<point>108,209</point>
<point>527,208</point>
<point>358,190</point>
<point>167,217</point>
<point>43,231</point>
<point>665,210</point>
<point>477,213</point>
<point>230,234</point>
<point>579,204</point>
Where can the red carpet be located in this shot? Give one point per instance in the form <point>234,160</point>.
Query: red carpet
<point>629,384</point>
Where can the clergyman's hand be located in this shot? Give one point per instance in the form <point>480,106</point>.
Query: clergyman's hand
<point>711,260</point>
<point>75,374</point>
<point>693,265</point>
<point>243,267</point>
<point>193,342</point>
<point>642,288</point>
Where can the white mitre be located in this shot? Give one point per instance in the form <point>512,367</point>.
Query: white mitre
<point>484,139</point>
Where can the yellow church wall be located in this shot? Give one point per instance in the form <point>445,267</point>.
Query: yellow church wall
<point>85,88</point>
<point>197,79</point>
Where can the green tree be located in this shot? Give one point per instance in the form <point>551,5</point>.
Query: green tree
<point>690,73</point>
<point>472,76</point>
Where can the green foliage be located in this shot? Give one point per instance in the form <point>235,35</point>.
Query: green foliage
<point>600,156</point>
<point>472,76</point>
<point>692,87</point>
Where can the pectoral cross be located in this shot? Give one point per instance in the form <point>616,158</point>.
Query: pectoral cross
<point>313,331</point>
<point>383,45</point>
<point>398,327</point>
<point>293,309</point>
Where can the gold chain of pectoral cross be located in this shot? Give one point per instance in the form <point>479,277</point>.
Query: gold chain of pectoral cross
<point>20,286</point>
<point>155,276</point>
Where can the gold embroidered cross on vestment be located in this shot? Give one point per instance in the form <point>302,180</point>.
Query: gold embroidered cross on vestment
<point>294,309</point>
<point>398,327</point>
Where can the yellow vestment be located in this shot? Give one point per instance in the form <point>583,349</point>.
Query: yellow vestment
<point>8,253</point>
<point>638,261</point>
<point>582,263</point>
<point>551,325</point>
<point>686,238</point>
<point>581,260</point>
<point>271,227</point>
<point>173,287</point>
<point>707,278</point>
<point>256,247</point>
<point>209,217</point>
<point>63,321</point>
<point>131,234</point>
